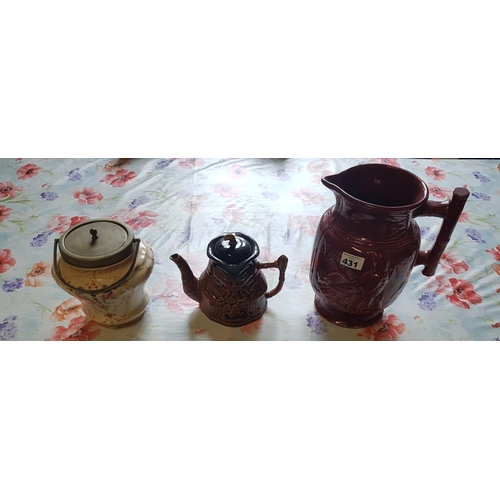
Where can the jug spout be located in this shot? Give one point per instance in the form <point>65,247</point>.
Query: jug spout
<point>332,181</point>
<point>189,281</point>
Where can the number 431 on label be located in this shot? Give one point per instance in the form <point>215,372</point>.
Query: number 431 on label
<point>352,261</point>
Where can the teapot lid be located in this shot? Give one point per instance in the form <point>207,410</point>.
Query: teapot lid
<point>96,243</point>
<point>232,251</point>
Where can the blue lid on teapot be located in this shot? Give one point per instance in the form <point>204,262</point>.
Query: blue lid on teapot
<point>232,252</point>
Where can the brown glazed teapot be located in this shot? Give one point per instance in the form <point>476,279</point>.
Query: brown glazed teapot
<point>367,244</point>
<point>232,290</point>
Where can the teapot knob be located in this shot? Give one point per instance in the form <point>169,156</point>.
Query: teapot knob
<point>231,239</point>
<point>93,232</point>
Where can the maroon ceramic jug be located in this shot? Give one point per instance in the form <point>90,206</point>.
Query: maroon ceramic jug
<point>367,244</point>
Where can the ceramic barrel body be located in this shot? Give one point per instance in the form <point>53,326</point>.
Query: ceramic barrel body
<point>113,295</point>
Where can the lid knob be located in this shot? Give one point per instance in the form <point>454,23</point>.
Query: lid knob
<point>93,232</point>
<point>231,239</point>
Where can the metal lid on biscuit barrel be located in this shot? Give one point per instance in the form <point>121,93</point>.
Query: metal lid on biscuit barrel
<point>96,243</point>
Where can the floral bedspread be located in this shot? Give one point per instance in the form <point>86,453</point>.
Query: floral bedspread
<point>177,205</point>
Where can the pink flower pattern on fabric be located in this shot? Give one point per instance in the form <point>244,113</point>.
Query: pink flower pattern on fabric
<point>494,252</point>
<point>237,171</point>
<point>87,196</point>
<point>136,219</point>
<point>115,165</point>
<point>438,192</point>
<point>321,168</point>
<point>78,329</point>
<point>4,213</point>
<point>28,171</point>
<point>457,291</point>
<point>69,309</point>
<point>61,223</point>
<point>386,161</point>
<point>226,190</point>
<point>317,166</point>
<point>436,173</point>
<point>190,163</point>
<point>308,196</point>
<point>8,190</point>
<point>388,328</point>
<point>463,292</point>
<point>453,264</point>
<point>6,260</point>
<point>39,274</point>
<point>120,178</point>
<point>252,327</point>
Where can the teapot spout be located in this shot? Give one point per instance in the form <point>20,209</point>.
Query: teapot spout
<point>189,281</point>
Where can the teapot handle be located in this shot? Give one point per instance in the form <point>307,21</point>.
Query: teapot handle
<point>281,264</point>
<point>450,212</point>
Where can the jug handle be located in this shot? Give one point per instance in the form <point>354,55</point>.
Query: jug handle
<point>281,264</point>
<point>450,212</point>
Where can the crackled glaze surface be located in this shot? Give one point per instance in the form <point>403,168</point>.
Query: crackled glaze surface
<point>123,304</point>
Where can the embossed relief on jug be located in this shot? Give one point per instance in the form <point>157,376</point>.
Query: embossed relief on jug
<point>367,244</point>
<point>361,275</point>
